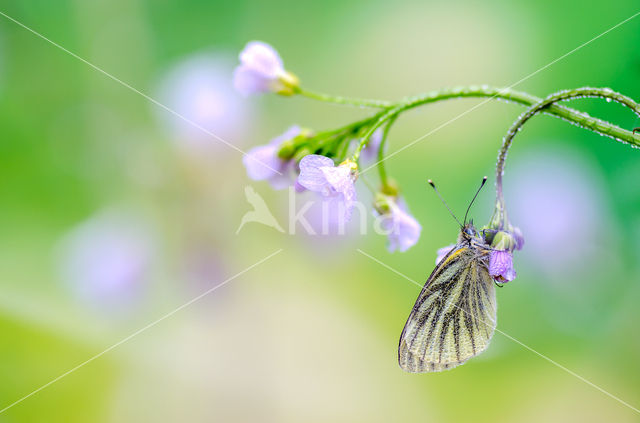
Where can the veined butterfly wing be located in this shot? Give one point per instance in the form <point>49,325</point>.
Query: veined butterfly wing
<point>454,316</point>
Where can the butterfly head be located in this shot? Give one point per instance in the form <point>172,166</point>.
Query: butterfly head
<point>468,231</point>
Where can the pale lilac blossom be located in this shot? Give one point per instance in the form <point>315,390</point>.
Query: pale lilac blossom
<point>559,193</point>
<point>105,259</point>
<point>320,174</point>
<point>198,89</point>
<point>501,266</point>
<point>369,153</point>
<point>402,229</point>
<point>263,163</point>
<point>261,70</point>
<point>518,237</point>
<point>442,252</point>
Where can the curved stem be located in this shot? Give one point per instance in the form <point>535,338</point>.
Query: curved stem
<point>546,104</point>
<point>506,94</point>
<point>381,166</point>
<point>345,101</point>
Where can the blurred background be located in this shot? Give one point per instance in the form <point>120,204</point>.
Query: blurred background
<point>115,213</point>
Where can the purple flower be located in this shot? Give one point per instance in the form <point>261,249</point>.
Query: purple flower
<point>369,153</point>
<point>501,266</point>
<point>105,260</point>
<point>261,70</point>
<point>443,252</point>
<point>263,163</point>
<point>319,174</point>
<point>402,229</point>
<point>519,238</point>
<point>198,89</point>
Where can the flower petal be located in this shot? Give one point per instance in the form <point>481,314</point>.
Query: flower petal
<point>262,58</point>
<point>291,132</point>
<point>369,153</point>
<point>341,181</point>
<point>247,81</point>
<point>338,177</point>
<point>517,235</point>
<point>311,177</point>
<point>403,230</point>
<point>262,163</point>
<point>501,266</point>
<point>442,252</point>
<point>407,232</point>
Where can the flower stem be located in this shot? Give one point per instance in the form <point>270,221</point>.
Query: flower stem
<point>381,166</point>
<point>545,105</point>
<point>345,101</point>
<point>388,115</point>
<point>506,94</point>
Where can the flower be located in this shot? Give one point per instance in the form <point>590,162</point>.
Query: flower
<point>559,194</point>
<point>518,237</point>
<point>197,88</point>
<point>443,252</point>
<point>263,162</point>
<point>402,229</point>
<point>261,70</point>
<point>369,153</point>
<point>319,174</point>
<point>106,259</point>
<point>501,266</point>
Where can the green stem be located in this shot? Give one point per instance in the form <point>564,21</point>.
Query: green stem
<point>543,106</point>
<point>345,101</point>
<point>579,118</point>
<point>389,114</point>
<point>391,110</point>
<point>483,91</point>
<point>381,167</point>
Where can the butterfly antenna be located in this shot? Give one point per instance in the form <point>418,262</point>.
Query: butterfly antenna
<point>474,198</point>
<point>443,202</point>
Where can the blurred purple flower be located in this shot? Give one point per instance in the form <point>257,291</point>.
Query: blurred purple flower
<point>199,89</point>
<point>555,194</point>
<point>319,174</point>
<point>501,266</point>
<point>105,259</point>
<point>443,252</point>
<point>402,229</point>
<point>263,163</point>
<point>261,69</point>
<point>369,153</point>
<point>517,235</point>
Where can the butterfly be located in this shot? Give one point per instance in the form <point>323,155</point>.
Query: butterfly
<point>454,316</point>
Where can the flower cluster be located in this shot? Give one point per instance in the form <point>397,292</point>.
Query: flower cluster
<point>329,162</point>
<point>325,162</point>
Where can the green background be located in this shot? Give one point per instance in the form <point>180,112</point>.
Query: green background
<point>311,334</point>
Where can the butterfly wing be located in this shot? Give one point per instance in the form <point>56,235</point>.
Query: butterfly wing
<point>454,316</point>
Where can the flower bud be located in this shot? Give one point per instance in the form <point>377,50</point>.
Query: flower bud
<point>288,84</point>
<point>503,241</point>
<point>381,203</point>
<point>288,147</point>
<point>390,188</point>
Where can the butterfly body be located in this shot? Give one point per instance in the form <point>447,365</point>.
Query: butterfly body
<point>454,316</point>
